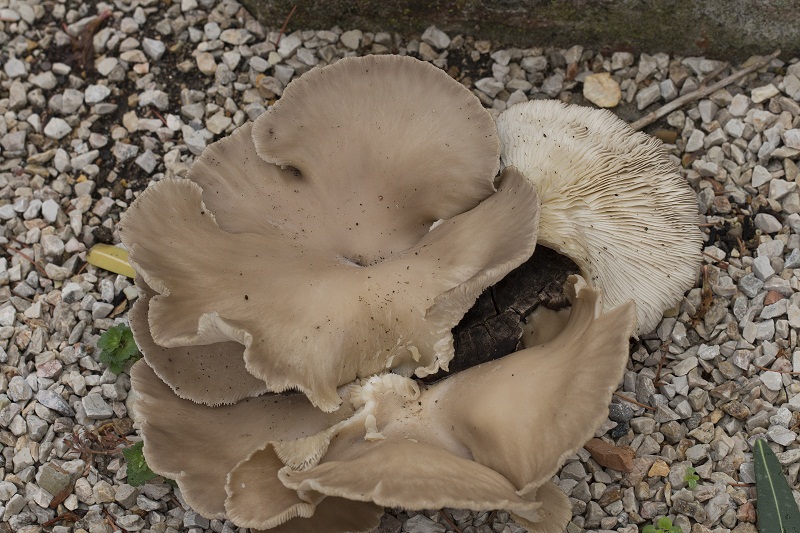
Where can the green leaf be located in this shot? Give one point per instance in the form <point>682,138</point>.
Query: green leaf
<point>110,339</point>
<point>649,529</point>
<point>777,510</point>
<point>138,471</point>
<point>665,523</point>
<point>118,348</point>
<point>691,483</point>
<point>675,529</point>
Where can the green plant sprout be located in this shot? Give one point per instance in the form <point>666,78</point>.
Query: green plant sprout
<point>118,348</point>
<point>664,525</point>
<point>691,478</point>
<point>138,471</point>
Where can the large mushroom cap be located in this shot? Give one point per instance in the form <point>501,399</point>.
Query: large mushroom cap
<point>611,201</point>
<point>330,270</point>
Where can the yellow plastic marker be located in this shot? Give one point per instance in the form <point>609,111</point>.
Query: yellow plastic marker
<point>112,258</point>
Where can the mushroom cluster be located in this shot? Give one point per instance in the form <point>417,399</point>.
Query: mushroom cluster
<point>313,264</point>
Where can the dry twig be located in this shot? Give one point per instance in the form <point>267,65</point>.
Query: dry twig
<point>778,371</point>
<point>83,43</point>
<point>285,23</point>
<point>28,259</point>
<point>450,522</point>
<point>634,402</point>
<point>701,92</point>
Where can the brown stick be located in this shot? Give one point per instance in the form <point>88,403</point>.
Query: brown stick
<point>778,371</point>
<point>452,524</point>
<point>631,400</point>
<point>714,74</point>
<point>701,92</point>
<point>28,259</point>
<point>285,23</point>
<point>723,264</point>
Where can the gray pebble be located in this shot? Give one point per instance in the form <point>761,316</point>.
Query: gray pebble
<point>762,268</point>
<point>695,141</point>
<point>156,98</point>
<point>422,524</point>
<point>45,80</point>
<point>489,86</point>
<point>54,401</point>
<point>96,407</point>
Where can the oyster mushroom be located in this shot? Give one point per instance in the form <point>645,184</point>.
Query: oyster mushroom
<point>612,201</point>
<point>398,443</point>
<point>306,237</point>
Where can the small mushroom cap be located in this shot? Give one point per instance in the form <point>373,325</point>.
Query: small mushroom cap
<point>612,201</point>
<point>469,433</point>
<point>197,445</point>
<point>308,318</point>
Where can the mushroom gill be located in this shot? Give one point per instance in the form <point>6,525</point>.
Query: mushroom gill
<point>612,201</point>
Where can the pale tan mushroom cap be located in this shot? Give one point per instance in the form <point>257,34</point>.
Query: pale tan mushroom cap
<point>612,201</point>
<point>489,437</point>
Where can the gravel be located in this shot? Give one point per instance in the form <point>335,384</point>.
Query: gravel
<point>79,141</point>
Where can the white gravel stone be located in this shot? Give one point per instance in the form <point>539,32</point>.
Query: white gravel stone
<point>436,38</point>
<point>781,435</point>
<point>57,128</point>
<point>147,161</point>
<point>153,48</point>
<point>760,94</point>
<point>96,408</point>
<point>695,141</point>
<point>648,95</point>
<point>45,80</point>
<point>236,36</point>
<point>772,380</point>
<point>760,176</point>
<point>791,138</point>
<point>206,63</point>
<point>156,98</point>
<point>290,43</point>
<point>489,86</point>
<point>50,209</point>
<point>52,246</point>
<point>15,68</point>
<point>740,105</point>
<point>767,223</point>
